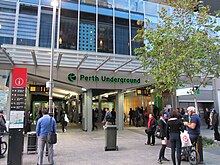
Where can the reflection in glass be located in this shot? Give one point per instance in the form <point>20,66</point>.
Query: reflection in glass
<point>122,36</point>
<point>68,29</point>
<point>90,2</point>
<point>28,42</point>
<point>106,3</point>
<point>26,9</point>
<point>6,40</point>
<point>134,28</point>
<point>137,6</point>
<point>121,4</point>
<point>74,1</point>
<point>105,34</point>
<point>46,27</point>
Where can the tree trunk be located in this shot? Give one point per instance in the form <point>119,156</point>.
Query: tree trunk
<point>196,104</point>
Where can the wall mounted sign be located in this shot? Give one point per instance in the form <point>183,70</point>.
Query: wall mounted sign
<point>72,77</point>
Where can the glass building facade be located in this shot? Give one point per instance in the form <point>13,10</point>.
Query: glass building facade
<point>106,26</point>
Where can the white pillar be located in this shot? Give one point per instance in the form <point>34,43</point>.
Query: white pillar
<point>120,110</point>
<point>87,111</point>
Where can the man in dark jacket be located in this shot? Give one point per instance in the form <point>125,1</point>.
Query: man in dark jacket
<point>2,128</point>
<point>215,122</point>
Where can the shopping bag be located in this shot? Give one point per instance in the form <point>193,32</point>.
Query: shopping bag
<point>66,118</point>
<point>185,140</point>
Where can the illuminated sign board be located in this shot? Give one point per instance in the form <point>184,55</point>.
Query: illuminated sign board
<point>38,88</point>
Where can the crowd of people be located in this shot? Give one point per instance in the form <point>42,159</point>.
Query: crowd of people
<point>139,116</point>
<point>212,120</point>
<point>172,123</point>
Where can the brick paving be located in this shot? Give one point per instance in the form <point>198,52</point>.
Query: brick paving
<point>76,147</point>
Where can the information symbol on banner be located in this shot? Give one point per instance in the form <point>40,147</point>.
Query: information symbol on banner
<point>19,81</point>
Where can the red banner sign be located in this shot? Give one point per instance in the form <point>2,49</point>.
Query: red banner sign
<point>19,77</point>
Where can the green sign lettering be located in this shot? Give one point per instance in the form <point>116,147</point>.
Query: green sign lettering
<point>104,79</point>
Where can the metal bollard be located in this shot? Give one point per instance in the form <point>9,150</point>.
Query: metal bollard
<point>199,148</point>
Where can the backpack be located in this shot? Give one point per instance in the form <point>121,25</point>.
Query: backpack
<point>108,116</point>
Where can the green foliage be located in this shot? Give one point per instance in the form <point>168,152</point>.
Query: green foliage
<point>208,142</point>
<point>183,49</point>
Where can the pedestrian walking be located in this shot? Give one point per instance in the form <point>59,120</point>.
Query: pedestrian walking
<point>64,121</point>
<point>131,115</point>
<point>162,124</point>
<point>174,126</point>
<point>151,128</point>
<point>42,129</point>
<point>206,117</point>
<point>215,122</point>
<point>94,119</point>
<point>113,116</point>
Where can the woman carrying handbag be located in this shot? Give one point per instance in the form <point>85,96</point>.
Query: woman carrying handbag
<point>162,124</point>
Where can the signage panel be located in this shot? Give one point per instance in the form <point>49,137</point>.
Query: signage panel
<point>19,77</point>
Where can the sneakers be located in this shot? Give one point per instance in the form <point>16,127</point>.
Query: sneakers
<point>159,161</point>
<point>165,159</point>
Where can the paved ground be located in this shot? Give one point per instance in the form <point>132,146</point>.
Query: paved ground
<point>76,147</point>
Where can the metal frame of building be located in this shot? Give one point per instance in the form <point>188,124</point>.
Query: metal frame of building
<point>37,56</point>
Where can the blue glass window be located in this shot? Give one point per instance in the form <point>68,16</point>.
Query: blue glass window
<point>6,40</point>
<point>30,1</point>
<point>90,2</point>
<point>29,10</point>
<point>46,28</point>
<point>134,27</point>
<point>105,34</point>
<point>28,42</point>
<point>121,4</point>
<point>68,29</point>
<point>137,6</point>
<point>106,3</point>
<point>122,36</point>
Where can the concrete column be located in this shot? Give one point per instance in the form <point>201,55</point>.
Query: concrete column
<point>100,109</point>
<point>87,111</point>
<point>120,110</point>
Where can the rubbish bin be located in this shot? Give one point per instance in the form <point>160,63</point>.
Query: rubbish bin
<point>111,138</point>
<point>32,142</point>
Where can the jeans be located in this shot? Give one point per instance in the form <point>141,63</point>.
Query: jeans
<point>175,144</point>
<point>42,140</point>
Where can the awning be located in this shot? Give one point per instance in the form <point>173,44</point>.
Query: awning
<point>38,56</point>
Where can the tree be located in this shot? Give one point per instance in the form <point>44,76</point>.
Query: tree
<point>183,50</point>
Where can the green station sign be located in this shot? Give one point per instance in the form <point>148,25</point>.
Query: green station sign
<point>72,78</point>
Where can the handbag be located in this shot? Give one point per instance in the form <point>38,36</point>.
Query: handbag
<point>185,140</point>
<point>52,136</point>
<point>148,130</point>
<point>66,118</point>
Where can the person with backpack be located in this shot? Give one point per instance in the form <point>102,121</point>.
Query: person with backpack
<point>108,117</point>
